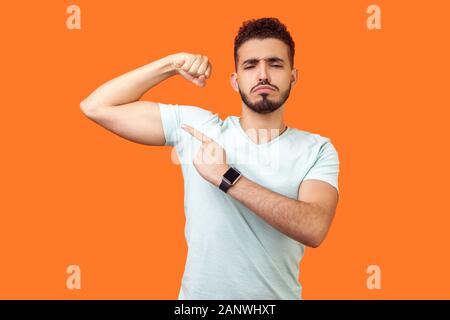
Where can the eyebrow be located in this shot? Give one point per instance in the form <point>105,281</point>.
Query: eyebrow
<point>270,59</point>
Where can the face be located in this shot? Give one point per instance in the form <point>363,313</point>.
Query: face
<point>263,63</point>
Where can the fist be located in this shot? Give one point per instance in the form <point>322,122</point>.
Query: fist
<point>193,67</point>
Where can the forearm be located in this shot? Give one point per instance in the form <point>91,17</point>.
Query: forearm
<point>132,85</point>
<point>297,219</point>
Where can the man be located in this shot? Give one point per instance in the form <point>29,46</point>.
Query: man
<point>256,191</point>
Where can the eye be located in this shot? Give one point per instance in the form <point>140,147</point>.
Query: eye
<point>274,65</point>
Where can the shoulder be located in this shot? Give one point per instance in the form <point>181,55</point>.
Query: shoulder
<point>309,138</point>
<point>189,114</point>
<point>314,144</point>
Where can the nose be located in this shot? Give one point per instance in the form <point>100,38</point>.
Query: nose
<point>263,75</point>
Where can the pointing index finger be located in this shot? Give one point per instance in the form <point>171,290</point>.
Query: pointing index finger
<point>195,133</point>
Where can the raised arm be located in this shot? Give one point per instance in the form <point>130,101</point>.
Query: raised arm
<point>115,104</point>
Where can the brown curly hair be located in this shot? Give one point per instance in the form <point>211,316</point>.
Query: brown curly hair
<point>264,28</point>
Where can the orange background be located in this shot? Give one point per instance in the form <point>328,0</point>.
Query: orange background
<point>74,193</point>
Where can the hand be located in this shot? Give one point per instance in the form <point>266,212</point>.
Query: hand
<point>195,68</point>
<point>210,160</point>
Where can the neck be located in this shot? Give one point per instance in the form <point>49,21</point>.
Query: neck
<point>262,128</point>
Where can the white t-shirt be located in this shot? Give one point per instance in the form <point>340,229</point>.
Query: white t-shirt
<point>232,252</point>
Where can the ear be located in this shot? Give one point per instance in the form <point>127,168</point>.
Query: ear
<point>294,76</point>
<point>233,82</point>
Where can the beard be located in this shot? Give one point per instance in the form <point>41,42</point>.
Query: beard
<point>265,105</point>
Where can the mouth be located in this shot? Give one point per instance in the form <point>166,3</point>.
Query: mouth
<point>264,89</point>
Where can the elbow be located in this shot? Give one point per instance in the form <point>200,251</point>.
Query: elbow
<point>84,107</point>
<point>314,241</point>
<point>87,109</point>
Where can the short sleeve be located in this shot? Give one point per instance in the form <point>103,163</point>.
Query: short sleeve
<point>326,166</point>
<point>173,115</point>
